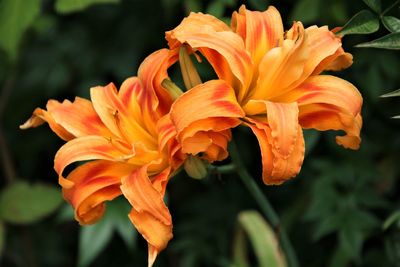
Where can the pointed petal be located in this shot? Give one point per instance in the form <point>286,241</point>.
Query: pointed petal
<point>282,66</point>
<point>79,117</point>
<point>94,183</point>
<point>261,31</point>
<point>195,22</point>
<point>149,214</point>
<point>41,116</point>
<point>117,118</point>
<point>224,50</point>
<point>151,73</point>
<point>206,109</point>
<point>329,103</point>
<point>277,169</point>
<point>88,148</point>
<point>284,123</point>
<point>211,99</point>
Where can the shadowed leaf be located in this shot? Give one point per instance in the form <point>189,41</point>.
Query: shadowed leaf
<point>392,94</point>
<point>262,238</point>
<point>22,203</point>
<point>390,41</point>
<point>15,18</point>
<point>69,6</point>
<point>391,23</point>
<point>375,5</point>
<point>364,22</point>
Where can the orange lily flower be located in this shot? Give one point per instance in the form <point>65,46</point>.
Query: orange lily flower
<point>130,142</point>
<point>271,81</point>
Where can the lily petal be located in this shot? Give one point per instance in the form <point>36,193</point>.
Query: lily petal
<point>88,148</point>
<point>41,116</point>
<point>277,169</point>
<point>261,31</point>
<point>79,117</point>
<point>94,183</point>
<point>224,50</point>
<point>329,103</point>
<point>116,116</point>
<point>149,213</point>
<point>282,66</point>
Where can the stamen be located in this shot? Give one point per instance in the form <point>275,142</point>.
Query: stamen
<point>173,90</point>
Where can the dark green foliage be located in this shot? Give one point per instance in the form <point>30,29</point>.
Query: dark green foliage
<point>341,211</point>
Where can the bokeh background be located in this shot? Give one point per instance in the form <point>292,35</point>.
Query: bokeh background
<point>342,210</point>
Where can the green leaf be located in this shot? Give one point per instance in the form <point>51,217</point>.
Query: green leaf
<point>306,11</point>
<point>118,211</point>
<point>22,203</point>
<point>258,4</point>
<point>2,237</point>
<point>390,41</point>
<point>392,94</point>
<point>216,8</point>
<point>69,6</point>
<point>375,5</point>
<point>363,22</point>
<point>92,241</point>
<point>263,240</point>
<point>394,217</point>
<point>351,241</point>
<point>391,23</point>
<point>16,16</point>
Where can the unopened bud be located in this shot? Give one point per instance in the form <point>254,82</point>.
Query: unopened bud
<point>195,167</point>
<point>190,75</point>
<point>173,90</point>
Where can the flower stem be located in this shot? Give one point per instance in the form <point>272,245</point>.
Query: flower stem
<point>264,204</point>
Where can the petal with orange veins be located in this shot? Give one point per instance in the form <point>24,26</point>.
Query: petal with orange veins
<point>277,169</point>
<point>116,116</point>
<point>41,116</point>
<point>195,22</point>
<point>94,183</point>
<point>283,121</point>
<point>89,148</point>
<point>261,31</point>
<point>79,117</point>
<point>282,66</point>
<point>224,50</point>
<point>208,100</point>
<point>329,103</point>
<point>153,70</point>
<point>149,213</point>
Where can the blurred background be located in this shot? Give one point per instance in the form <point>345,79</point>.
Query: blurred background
<point>342,210</point>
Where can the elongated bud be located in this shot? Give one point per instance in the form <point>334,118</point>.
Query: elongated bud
<point>195,167</point>
<point>190,75</point>
<point>173,90</point>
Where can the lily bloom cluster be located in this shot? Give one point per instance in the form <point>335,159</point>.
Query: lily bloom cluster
<point>135,139</point>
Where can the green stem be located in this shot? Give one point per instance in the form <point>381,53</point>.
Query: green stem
<point>389,8</point>
<point>264,204</point>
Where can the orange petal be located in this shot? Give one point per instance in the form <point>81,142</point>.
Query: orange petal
<point>88,148</point>
<point>117,118</point>
<point>261,31</point>
<point>277,169</point>
<point>151,73</point>
<point>283,121</point>
<point>282,66</point>
<point>329,103</point>
<point>208,100</point>
<point>41,116</point>
<point>149,213</point>
<point>195,22</point>
<point>224,50</point>
<point>94,183</point>
<point>79,118</point>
